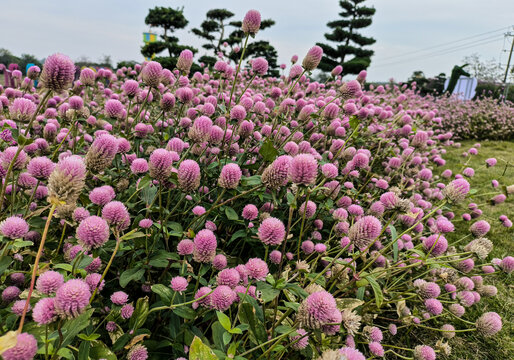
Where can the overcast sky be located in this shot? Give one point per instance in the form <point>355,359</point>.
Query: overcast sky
<point>402,28</point>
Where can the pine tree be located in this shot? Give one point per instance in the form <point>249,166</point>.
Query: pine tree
<point>169,20</point>
<point>348,48</point>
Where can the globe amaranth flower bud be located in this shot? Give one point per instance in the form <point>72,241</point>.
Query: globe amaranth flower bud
<point>313,58</point>
<point>58,72</point>
<point>251,22</point>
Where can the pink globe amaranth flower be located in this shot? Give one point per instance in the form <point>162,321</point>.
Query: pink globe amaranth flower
<point>185,60</point>
<point>498,199</point>
<point>444,225</point>
<point>93,281</point>
<point>230,176</point>
<point>393,329</point>
<point>119,298</point>
<point>139,166</point>
<point>257,269</point>
<point>275,257</point>
<point>189,175</point>
<point>457,190</point>
<point>435,244</point>
<point>138,352</point>
<point>351,354</point>
<point>101,153</point>
<point>25,348</point>
<point>58,73</point>
<point>317,310</point>
<point>185,247</point>
<point>10,293</point>
<point>72,298</point>
<point>457,309</point>
<point>205,245</point>
<point>92,232</point>
<point>130,88</point>
<point>14,227</point>
<point>44,311</point>
<point>127,311</point>
<point>448,331</point>
<point>307,247</point>
<point>116,215</point>
<point>313,58</point>
<point>151,74</point>
<point>507,264</point>
<point>251,22</point>
<point>40,167</point>
<point>184,94</point>
<point>238,112</point>
<point>87,77</point>
<point>434,306</point>
<point>272,231</point>
<point>303,169</point>
<point>329,171</point>
<point>489,324</point>
<point>167,102</point>
<point>201,129</point>
<point>277,174</point>
<point>364,231</point>
<point>229,277</point>
<point>299,341</point>
<point>102,195</point>
<point>308,209</point>
<point>8,155</point>
<point>202,293</point>
<point>219,262</point>
<point>376,349</point>
<point>17,278</point>
<point>161,164</point>
<point>76,102</point>
<point>22,109</point>
<point>250,212</point>
<point>49,281</point>
<point>389,200</point>
<point>114,109</point>
<point>424,352</point>
<point>179,283</point>
<point>491,162</point>
<point>111,326</point>
<point>480,228</point>
<point>199,210</point>
<point>260,66</point>
<point>336,71</point>
<point>222,298</point>
<point>145,223</point>
<point>350,89</point>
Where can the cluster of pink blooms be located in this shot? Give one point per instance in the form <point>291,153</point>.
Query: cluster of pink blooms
<point>164,202</point>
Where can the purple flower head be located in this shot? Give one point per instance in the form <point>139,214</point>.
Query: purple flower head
<point>365,231</point>
<point>303,169</point>
<point>435,244</point>
<point>424,352</point>
<point>161,164</point>
<point>58,72</point>
<point>14,227</point>
<point>179,283</point>
<point>260,66</point>
<point>49,281</point>
<point>102,195</point>
<point>230,176</point>
<point>114,109</point>
<point>205,245</point>
<point>457,190</point>
<point>313,58</point>
<point>272,231</point>
<point>185,247</point>
<point>257,269</point>
<point>222,297</point>
<point>93,232</point>
<point>434,306</point>
<point>229,277</point>
<point>40,167</point>
<point>489,324</point>
<point>10,293</point>
<point>480,228</point>
<point>22,109</point>
<point>151,74</point>
<point>116,215</point>
<point>44,311</point>
<point>25,348</point>
<point>72,298</point>
<point>127,311</point>
<point>189,175</point>
<point>251,22</point>
<point>139,166</point>
<point>185,60</point>
<point>138,352</point>
<point>119,298</point>
<point>219,262</point>
<point>250,212</point>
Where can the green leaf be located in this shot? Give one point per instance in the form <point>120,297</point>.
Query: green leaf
<point>354,122</point>
<point>148,194</point>
<point>4,263</point>
<point>235,331</point>
<point>238,234</point>
<point>144,182</point>
<point>164,292</point>
<point>66,353</point>
<point>348,303</point>
<point>140,313</point>
<point>231,214</point>
<point>88,337</point>
<point>131,274</point>
<point>251,180</point>
<point>101,351</point>
<point>360,292</point>
<point>71,328</point>
<point>268,151</point>
<point>135,235</point>
<point>224,320</point>
<point>19,244</point>
<point>268,293</point>
<point>84,348</point>
<point>66,267</point>
<point>227,337</point>
<point>379,296</point>
<point>394,235</point>
<point>217,335</point>
<point>185,312</point>
<point>200,351</point>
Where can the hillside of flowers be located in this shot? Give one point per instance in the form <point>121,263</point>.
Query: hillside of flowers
<point>157,214</point>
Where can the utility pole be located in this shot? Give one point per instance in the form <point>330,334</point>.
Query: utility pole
<point>506,91</point>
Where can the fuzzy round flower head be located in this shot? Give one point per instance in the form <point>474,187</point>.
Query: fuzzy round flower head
<point>72,298</point>
<point>67,180</point>
<point>119,298</point>
<point>58,73</point>
<point>257,269</point>
<point>179,283</point>
<point>480,228</point>
<point>189,175</point>
<point>424,352</point>
<point>40,167</point>
<point>457,190</point>
<point>138,352</point>
<point>317,309</point>
<point>364,231</point>
<point>201,129</point>
<point>329,170</point>
<point>8,155</point>
<point>507,264</point>
<point>44,311</point>
<point>434,306</point>
<point>272,231</point>
<point>116,215</point>
<point>87,77</point>
<point>230,176</point>
<point>127,311</point>
<point>49,281</point>
<point>308,209</point>
<point>93,281</point>
<point>25,348</point>
<point>151,74</point>
<point>489,324</point>
<point>101,153</point>
<point>376,349</point>
<point>303,169</point>
<point>448,331</point>
<point>205,245</point>
<point>435,244</point>
<point>22,109</point>
<point>260,66</point>
<point>161,164</point>
<point>185,60</point>
<point>14,227</point>
<point>92,232</point>
<point>251,22</point>
<point>229,277</point>
<point>299,341</point>
<point>102,195</point>
<point>313,58</point>
<point>275,257</point>
<point>219,262</point>
<point>277,173</point>
<point>185,247</point>
<point>250,212</point>
<point>222,297</point>
<point>238,112</point>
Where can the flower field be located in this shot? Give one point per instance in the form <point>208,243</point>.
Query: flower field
<point>150,213</point>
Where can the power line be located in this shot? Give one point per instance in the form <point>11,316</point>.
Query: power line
<point>448,43</point>
<point>444,52</point>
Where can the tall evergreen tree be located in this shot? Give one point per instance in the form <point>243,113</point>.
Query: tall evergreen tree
<point>169,20</point>
<point>218,30</point>
<point>348,48</point>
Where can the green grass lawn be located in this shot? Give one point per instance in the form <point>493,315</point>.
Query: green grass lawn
<point>502,345</point>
